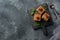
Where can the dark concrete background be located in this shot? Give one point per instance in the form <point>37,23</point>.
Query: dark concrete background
<point>15,23</point>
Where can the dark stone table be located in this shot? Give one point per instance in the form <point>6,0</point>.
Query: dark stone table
<point>15,23</point>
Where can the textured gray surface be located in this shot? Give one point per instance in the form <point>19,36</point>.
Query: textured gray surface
<point>15,23</point>
<point>56,34</point>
